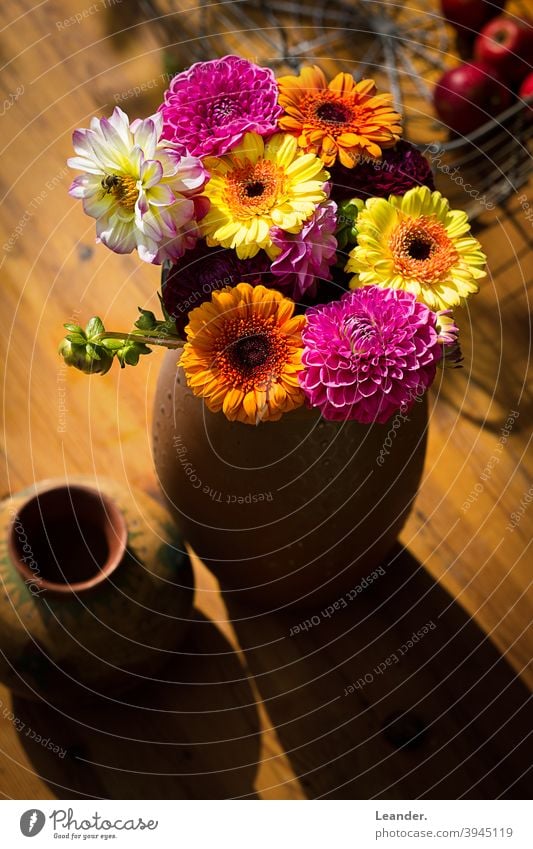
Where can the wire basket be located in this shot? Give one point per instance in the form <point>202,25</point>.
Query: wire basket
<point>405,47</point>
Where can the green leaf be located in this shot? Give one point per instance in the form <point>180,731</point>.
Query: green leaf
<point>92,351</point>
<point>95,327</point>
<point>147,320</point>
<point>129,354</point>
<point>77,338</point>
<point>74,328</point>
<point>113,344</point>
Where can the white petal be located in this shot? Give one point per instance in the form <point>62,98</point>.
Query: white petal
<point>151,173</point>
<point>148,250</point>
<point>113,141</point>
<point>81,163</point>
<point>161,195</point>
<point>146,138</point>
<point>97,205</point>
<point>116,235</point>
<point>121,123</point>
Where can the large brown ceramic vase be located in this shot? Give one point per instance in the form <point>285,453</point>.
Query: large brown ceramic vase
<point>290,512</point>
<point>96,589</point>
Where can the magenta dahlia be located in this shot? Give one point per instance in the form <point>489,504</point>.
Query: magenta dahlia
<point>208,108</point>
<point>306,257</point>
<point>399,169</point>
<point>193,279</point>
<point>369,354</point>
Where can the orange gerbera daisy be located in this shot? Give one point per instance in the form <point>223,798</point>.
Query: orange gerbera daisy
<point>243,353</point>
<point>344,119</point>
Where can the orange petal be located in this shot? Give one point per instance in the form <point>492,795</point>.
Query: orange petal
<point>342,84</point>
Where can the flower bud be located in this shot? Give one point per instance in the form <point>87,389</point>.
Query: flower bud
<point>346,233</point>
<point>85,357</point>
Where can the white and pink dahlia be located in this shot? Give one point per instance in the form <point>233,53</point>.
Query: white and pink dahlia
<point>141,191</point>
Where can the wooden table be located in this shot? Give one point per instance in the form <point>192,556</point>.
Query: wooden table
<point>260,713</point>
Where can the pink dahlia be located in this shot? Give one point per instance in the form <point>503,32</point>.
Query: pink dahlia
<point>208,108</point>
<point>306,257</point>
<point>369,354</point>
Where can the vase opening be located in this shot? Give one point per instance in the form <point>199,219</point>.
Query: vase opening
<point>68,539</point>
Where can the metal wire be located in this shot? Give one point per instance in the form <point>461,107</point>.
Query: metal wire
<point>402,46</point>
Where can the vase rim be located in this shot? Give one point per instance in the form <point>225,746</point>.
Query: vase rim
<point>112,522</point>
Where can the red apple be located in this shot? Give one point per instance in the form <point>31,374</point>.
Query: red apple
<point>470,95</point>
<point>526,92</point>
<point>469,16</point>
<point>506,44</point>
<point>526,89</point>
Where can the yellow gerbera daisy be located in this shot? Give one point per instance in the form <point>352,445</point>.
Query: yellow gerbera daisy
<point>243,353</point>
<point>342,118</point>
<point>258,186</point>
<point>416,242</point>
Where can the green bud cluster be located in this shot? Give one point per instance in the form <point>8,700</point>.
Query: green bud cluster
<point>346,232</point>
<point>92,350</point>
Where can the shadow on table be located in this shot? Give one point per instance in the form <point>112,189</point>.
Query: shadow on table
<point>195,739</point>
<point>493,382</point>
<point>397,695</point>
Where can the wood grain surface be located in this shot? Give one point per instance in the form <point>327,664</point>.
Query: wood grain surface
<point>248,710</point>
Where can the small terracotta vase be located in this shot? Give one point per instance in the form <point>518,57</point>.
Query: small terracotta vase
<point>97,589</point>
<point>294,512</point>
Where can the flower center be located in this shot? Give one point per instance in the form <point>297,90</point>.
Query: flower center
<point>422,249</point>
<point>332,113</point>
<point>361,335</point>
<point>123,188</point>
<point>254,189</point>
<point>250,351</point>
<point>223,108</point>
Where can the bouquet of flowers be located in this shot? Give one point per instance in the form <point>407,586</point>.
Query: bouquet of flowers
<point>307,258</point>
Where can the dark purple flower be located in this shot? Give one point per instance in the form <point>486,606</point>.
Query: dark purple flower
<point>401,168</point>
<point>201,271</point>
<point>208,108</point>
<point>369,354</point>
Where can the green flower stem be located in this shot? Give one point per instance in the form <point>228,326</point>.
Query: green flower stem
<point>165,341</point>
<point>93,349</point>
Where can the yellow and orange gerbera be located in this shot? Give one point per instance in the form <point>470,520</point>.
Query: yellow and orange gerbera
<point>417,243</point>
<point>243,353</point>
<point>259,185</point>
<point>342,119</point>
